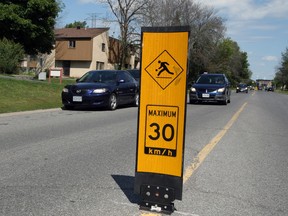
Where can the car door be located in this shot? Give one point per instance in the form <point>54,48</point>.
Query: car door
<point>126,88</point>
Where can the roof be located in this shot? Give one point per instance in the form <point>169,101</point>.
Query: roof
<point>79,32</point>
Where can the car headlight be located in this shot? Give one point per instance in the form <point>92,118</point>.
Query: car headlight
<point>221,90</point>
<point>193,89</point>
<point>65,90</point>
<point>101,90</point>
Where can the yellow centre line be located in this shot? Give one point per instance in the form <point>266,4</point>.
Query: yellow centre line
<point>210,146</point>
<point>205,151</point>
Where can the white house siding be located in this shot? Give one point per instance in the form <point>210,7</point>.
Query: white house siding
<point>98,55</point>
<point>78,68</point>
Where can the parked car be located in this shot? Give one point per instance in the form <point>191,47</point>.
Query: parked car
<point>101,88</point>
<point>211,87</point>
<point>241,87</point>
<point>135,73</point>
<point>270,88</point>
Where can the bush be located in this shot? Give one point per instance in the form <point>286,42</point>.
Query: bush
<point>10,56</point>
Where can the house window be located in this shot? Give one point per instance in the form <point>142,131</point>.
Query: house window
<point>72,44</point>
<point>99,65</point>
<point>103,47</point>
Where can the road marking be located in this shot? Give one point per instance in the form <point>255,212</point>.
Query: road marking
<point>210,146</point>
<point>204,153</point>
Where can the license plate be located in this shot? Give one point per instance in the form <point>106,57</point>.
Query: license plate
<point>205,95</point>
<point>77,98</point>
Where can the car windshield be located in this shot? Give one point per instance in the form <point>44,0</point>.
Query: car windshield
<point>135,73</point>
<point>209,79</point>
<point>242,85</point>
<point>99,76</point>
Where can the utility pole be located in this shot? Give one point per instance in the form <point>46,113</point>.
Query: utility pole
<point>93,18</point>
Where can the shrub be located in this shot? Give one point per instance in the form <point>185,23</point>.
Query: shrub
<point>10,56</point>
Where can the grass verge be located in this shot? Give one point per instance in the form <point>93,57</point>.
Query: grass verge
<point>23,95</point>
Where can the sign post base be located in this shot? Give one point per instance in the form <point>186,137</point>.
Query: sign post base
<point>157,198</point>
<point>159,208</point>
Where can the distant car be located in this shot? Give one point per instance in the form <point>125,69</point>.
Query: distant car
<point>101,88</point>
<point>242,88</point>
<point>135,73</point>
<point>270,88</point>
<point>211,87</point>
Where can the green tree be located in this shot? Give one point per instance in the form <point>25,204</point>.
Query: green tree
<point>10,55</point>
<point>281,76</point>
<point>77,24</point>
<point>229,59</point>
<point>29,23</point>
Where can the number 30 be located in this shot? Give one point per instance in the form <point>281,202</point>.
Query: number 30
<point>164,132</point>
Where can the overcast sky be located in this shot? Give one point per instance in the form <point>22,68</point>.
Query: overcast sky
<point>260,27</point>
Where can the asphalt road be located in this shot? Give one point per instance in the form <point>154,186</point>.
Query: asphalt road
<point>82,163</point>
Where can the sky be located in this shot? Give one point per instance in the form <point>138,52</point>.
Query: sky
<point>260,27</point>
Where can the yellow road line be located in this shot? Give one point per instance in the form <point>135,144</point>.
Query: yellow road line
<point>210,146</point>
<point>205,151</point>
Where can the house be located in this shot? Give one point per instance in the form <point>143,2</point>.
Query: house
<point>262,83</point>
<point>78,50</point>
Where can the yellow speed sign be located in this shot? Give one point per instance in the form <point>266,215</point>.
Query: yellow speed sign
<point>162,109</point>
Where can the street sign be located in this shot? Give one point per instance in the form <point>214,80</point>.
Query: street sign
<point>162,111</point>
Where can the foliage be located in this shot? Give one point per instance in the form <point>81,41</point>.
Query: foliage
<point>281,77</point>
<point>209,49</point>
<point>77,24</point>
<point>229,59</point>
<point>29,23</point>
<point>10,55</point>
<point>21,95</point>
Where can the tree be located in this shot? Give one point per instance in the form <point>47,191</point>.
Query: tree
<point>206,28</point>
<point>76,24</point>
<point>281,76</point>
<point>10,55</point>
<point>126,13</point>
<point>229,59</point>
<point>29,23</point>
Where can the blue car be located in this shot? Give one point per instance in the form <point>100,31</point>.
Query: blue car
<point>211,87</point>
<point>101,88</point>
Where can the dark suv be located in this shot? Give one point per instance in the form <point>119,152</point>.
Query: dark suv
<point>211,87</point>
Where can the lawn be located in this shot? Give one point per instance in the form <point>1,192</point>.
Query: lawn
<point>22,95</point>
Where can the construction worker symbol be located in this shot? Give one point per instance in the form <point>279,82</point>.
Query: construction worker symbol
<point>164,69</point>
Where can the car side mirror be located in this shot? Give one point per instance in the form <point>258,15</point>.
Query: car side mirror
<point>77,80</point>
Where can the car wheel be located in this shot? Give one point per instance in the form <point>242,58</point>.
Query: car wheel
<point>224,102</point>
<point>112,104</point>
<point>136,100</point>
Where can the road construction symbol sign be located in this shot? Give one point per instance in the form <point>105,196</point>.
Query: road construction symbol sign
<point>164,69</point>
